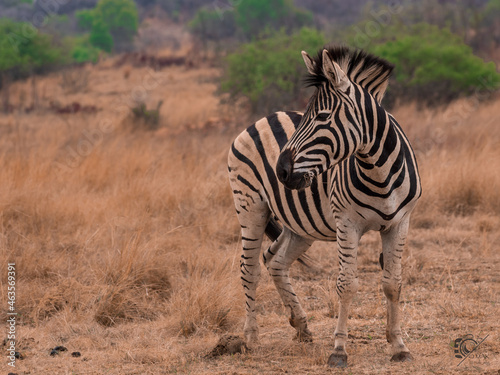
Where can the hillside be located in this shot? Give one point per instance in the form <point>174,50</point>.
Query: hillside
<point>186,9</point>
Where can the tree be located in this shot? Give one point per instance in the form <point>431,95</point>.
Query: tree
<point>254,16</point>
<point>100,36</point>
<point>112,24</point>
<point>81,50</point>
<point>121,18</point>
<point>268,72</point>
<point>85,19</point>
<point>434,65</point>
<point>9,58</point>
<point>209,27</point>
<point>24,55</point>
<point>487,36</point>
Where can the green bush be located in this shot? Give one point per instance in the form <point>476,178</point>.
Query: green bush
<point>85,19</point>
<point>253,16</point>
<point>210,26</point>
<point>81,50</point>
<point>248,20</point>
<point>112,24</point>
<point>487,35</point>
<point>23,54</point>
<point>268,72</point>
<point>433,65</point>
<point>100,36</point>
<point>9,56</point>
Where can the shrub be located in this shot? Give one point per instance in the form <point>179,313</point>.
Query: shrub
<point>22,53</point>
<point>434,65</point>
<point>85,19</point>
<point>210,26</point>
<point>100,36</point>
<point>112,24</point>
<point>146,118</point>
<point>268,72</point>
<point>21,56</point>
<point>249,19</point>
<point>253,16</point>
<point>82,50</point>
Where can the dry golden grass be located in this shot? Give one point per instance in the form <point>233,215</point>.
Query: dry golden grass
<point>127,250</point>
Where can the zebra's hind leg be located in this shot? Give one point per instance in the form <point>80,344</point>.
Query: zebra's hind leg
<point>278,259</point>
<point>253,223</point>
<point>393,242</point>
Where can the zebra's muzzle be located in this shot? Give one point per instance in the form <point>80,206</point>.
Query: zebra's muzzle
<point>286,175</point>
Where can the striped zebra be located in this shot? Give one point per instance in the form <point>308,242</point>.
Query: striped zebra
<point>342,168</point>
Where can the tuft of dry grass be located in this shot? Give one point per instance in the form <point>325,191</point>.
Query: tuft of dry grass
<point>128,251</point>
<point>214,302</point>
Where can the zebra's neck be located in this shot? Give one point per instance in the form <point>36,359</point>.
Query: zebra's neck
<point>380,160</point>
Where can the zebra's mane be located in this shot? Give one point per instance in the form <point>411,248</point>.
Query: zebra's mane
<point>368,71</point>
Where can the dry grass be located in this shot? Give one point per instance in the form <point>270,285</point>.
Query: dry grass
<point>128,250</point>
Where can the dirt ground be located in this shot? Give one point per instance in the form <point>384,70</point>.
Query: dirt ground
<point>451,288</point>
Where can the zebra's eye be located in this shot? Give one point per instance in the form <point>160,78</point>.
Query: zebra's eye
<point>322,116</point>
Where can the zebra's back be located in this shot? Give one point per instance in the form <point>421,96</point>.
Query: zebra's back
<point>252,161</point>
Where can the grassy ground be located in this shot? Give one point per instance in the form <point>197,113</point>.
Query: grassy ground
<point>127,247</point>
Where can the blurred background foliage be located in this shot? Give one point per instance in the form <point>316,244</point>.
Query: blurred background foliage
<point>112,24</point>
<point>440,48</point>
<point>268,71</point>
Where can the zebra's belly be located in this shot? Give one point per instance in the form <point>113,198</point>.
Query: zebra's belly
<point>306,212</point>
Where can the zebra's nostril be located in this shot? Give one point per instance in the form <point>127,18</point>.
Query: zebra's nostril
<point>284,166</point>
<point>282,174</point>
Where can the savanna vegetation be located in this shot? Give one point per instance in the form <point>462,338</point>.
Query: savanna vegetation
<point>115,205</point>
<point>434,65</point>
<point>112,24</point>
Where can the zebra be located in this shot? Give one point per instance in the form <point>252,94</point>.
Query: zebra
<point>341,169</point>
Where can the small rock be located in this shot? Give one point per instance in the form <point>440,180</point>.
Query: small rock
<point>228,344</point>
<point>76,354</point>
<point>57,350</point>
<point>19,355</point>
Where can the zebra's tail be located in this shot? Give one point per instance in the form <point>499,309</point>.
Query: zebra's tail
<point>273,231</point>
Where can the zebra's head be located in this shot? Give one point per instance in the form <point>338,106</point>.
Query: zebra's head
<point>332,127</point>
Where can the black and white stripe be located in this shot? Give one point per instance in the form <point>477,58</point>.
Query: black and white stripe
<point>342,168</point>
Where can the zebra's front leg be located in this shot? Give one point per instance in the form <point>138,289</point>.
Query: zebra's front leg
<point>278,259</point>
<point>393,242</point>
<point>347,286</point>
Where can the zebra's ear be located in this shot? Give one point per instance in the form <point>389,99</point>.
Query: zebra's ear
<point>334,72</point>
<point>310,64</point>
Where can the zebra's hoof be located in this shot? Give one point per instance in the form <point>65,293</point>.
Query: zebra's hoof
<point>337,360</point>
<point>402,357</point>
